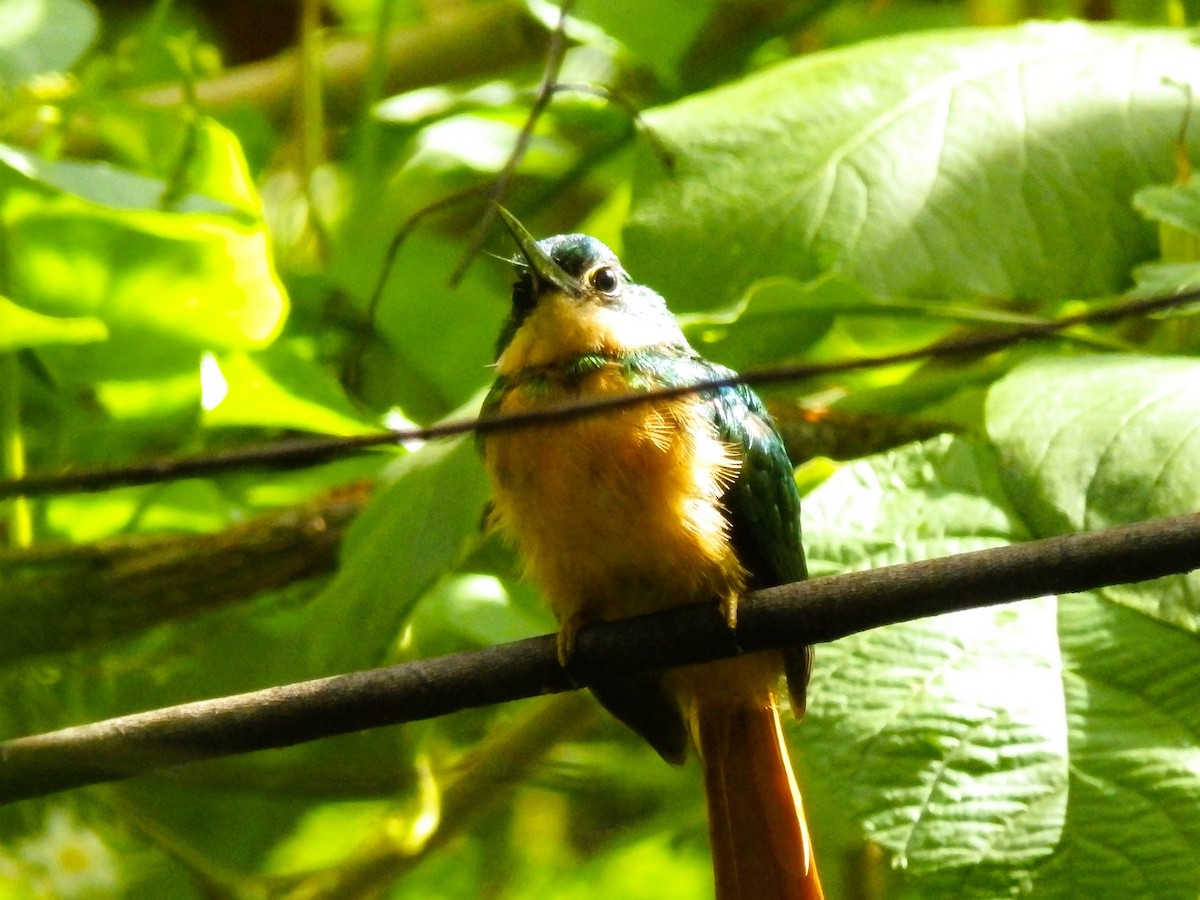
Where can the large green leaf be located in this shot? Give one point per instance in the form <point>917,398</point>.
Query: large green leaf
<point>86,239</point>
<point>1133,811</point>
<point>942,736</point>
<point>1051,742</point>
<point>20,328</point>
<point>1090,442</point>
<point>997,162</point>
<point>416,527</point>
<point>42,36</point>
<point>990,749</point>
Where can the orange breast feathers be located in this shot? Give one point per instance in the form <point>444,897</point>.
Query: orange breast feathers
<point>619,513</point>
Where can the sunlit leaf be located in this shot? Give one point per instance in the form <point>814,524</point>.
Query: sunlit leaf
<point>1177,204</point>
<point>1133,803</point>
<point>1091,442</point>
<point>208,283</point>
<point>932,165</point>
<point>86,239</point>
<point>20,327</point>
<point>945,737</point>
<point>428,508</point>
<point>42,36</point>
<point>280,388</point>
<point>661,40</point>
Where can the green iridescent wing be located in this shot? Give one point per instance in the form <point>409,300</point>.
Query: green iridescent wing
<point>763,504</point>
<point>764,511</point>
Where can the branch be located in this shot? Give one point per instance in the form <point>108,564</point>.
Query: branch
<point>466,43</point>
<point>483,779</point>
<point>475,41</point>
<point>132,583</point>
<point>823,609</point>
<point>310,451</point>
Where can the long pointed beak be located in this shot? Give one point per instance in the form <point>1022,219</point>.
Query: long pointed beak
<point>545,270</point>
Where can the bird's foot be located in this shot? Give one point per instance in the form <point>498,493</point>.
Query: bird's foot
<point>728,607</point>
<point>566,644</point>
<point>567,631</point>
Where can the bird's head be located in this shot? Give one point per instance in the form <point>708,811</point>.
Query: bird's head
<point>573,298</point>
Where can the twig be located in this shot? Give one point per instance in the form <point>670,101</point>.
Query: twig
<point>310,451</point>
<point>823,609</point>
<point>351,370</point>
<point>554,58</point>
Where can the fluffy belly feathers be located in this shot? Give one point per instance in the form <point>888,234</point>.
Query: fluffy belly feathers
<point>619,513</point>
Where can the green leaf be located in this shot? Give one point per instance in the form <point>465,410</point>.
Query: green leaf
<point>427,509</point>
<point>996,162</point>
<point>158,398</point>
<point>780,319</point>
<point>100,184</point>
<point>1047,742</point>
<point>776,319</point>
<point>654,868</point>
<point>208,283</point>
<point>87,240</point>
<point>280,387</point>
<point>1159,279</point>
<point>439,340</point>
<point>193,505</point>
<point>1176,209</point>
<point>943,736</point>
<point>84,518</point>
<point>329,834</point>
<point>203,160</point>
<point>477,143</point>
<point>42,36</point>
<point>473,610</point>
<point>954,757</point>
<point>1171,204</point>
<point>855,518</point>
<point>20,328</point>
<point>1133,813</point>
<point>1091,442</point>
<point>659,37</point>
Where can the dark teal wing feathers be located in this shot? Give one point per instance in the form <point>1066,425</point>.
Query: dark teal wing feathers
<point>763,503</point>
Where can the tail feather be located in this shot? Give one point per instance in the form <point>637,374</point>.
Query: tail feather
<point>760,843</point>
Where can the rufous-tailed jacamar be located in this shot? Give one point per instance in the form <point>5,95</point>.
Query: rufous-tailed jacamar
<point>652,506</point>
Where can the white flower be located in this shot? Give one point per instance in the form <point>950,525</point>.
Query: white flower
<point>69,860</point>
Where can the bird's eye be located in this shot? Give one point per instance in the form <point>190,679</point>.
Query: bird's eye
<point>604,279</point>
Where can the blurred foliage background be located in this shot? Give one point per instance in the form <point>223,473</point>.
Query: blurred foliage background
<point>197,204</point>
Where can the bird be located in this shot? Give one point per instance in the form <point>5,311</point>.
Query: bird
<point>672,502</point>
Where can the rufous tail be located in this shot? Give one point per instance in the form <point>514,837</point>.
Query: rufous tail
<point>760,844</point>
